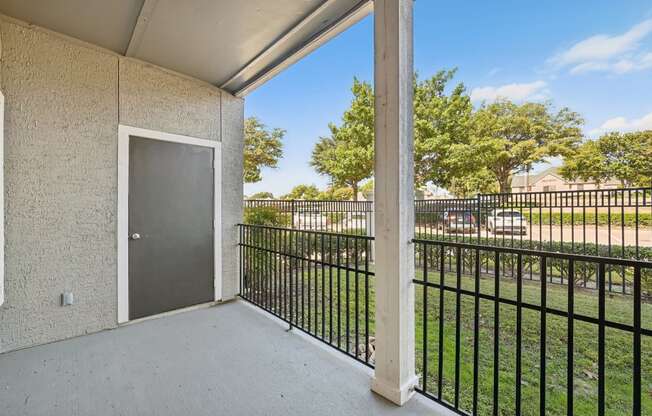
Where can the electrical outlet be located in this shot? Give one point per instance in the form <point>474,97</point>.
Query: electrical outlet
<point>67,299</point>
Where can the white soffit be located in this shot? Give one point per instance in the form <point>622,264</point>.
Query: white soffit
<point>233,44</point>
<point>108,24</point>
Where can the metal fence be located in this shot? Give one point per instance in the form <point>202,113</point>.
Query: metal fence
<point>351,217</point>
<point>615,223</point>
<point>317,282</point>
<point>487,345</point>
<point>487,342</point>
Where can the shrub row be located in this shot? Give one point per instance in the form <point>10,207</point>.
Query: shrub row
<point>629,219</point>
<point>584,271</point>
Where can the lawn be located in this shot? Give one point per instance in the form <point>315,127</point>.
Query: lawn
<point>618,350</point>
<point>323,309</point>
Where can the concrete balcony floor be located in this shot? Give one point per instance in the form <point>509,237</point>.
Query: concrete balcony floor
<point>226,360</point>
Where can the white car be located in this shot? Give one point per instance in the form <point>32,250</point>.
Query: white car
<point>314,221</point>
<point>506,221</point>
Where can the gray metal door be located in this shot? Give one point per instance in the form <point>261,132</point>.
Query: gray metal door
<point>170,226</point>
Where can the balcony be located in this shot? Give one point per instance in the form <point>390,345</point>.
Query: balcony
<point>227,360</point>
<point>498,329</point>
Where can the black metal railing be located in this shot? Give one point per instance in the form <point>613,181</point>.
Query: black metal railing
<point>345,217</point>
<point>491,345</point>
<point>602,222</point>
<point>318,282</point>
<point>487,342</point>
<point>606,222</point>
<point>615,223</point>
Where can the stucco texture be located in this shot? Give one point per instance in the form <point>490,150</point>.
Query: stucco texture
<point>64,102</point>
<point>60,184</point>
<point>154,99</point>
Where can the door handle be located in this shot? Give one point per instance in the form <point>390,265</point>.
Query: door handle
<point>135,236</point>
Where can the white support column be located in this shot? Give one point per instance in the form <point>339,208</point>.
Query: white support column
<point>370,225</point>
<point>394,200</point>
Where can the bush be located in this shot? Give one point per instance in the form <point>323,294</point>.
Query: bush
<point>268,216</point>
<point>556,218</point>
<point>584,271</point>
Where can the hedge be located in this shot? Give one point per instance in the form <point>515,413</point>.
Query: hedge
<point>588,218</point>
<point>585,272</point>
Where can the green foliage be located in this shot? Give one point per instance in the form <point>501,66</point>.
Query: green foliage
<point>268,216</point>
<point>468,185</point>
<point>368,187</point>
<point>456,148</point>
<point>346,156</point>
<point>509,137</point>
<point>304,192</point>
<point>585,272</point>
<point>336,194</point>
<point>626,157</point>
<point>262,195</point>
<point>262,148</point>
<point>442,133</point>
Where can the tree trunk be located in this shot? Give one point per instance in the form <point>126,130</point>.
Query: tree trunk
<point>505,182</point>
<point>354,187</point>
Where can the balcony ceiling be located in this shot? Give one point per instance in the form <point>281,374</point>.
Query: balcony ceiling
<point>228,43</point>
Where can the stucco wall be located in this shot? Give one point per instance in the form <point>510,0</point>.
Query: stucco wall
<point>154,99</point>
<point>64,102</point>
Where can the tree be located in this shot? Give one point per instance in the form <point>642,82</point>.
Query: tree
<point>626,157</point>
<point>454,147</point>
<point>479,181</point>
<point>441,127</point>
<point>511,137</point>
<point>262,148</point>
<point>262,195</point>
<point>442,131</point>
<point>305,192</point>
<point>367,189</point>
<point>347,155</point>
<point>336,194</point>
<point>587,163</point>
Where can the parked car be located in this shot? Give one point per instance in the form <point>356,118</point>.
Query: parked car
<point>458,221</point>
<point>506,221</point>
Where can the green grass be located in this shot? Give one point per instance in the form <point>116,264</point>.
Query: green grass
<point>618,350</point>
<point>618,343</point>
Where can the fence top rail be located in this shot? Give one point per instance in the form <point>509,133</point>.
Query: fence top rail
<point>335,201</point>
<point>296,231</point>
<point>616,197</point>
<point>576,191</point>
<point>541,253</point>
<point>300,205</point>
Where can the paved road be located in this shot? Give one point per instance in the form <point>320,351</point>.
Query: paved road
<point>578,234</point>
<point>618,236</point>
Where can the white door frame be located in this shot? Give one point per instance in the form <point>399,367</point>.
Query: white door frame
<point>124,133</point>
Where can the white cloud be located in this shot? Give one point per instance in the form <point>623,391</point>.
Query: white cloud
<point>623,124</point>
<point>516,92</point>
<point>618,54</point>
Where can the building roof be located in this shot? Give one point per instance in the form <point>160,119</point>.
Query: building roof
<point>522,180</point>
<point>235,45</point>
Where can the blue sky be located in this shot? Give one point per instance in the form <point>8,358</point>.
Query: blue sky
<point>592,56</point>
